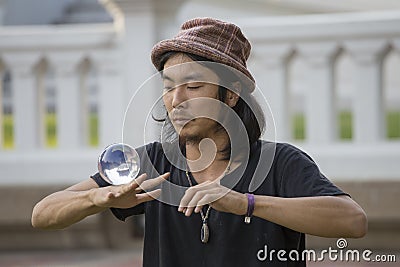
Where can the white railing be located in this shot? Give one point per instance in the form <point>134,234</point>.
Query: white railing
<point>315,43</point>
<point>65,58</point>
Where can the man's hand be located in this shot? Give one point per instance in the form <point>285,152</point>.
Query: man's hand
<point>127,195</point>
<point>217,196</point>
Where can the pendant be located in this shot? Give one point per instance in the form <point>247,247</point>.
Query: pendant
<point>205,233</point>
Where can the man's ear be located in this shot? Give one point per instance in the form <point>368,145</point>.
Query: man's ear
<point>232,96</point>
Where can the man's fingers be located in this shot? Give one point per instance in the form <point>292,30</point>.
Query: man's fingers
<point>189,208</point>
<point>130,187</point>
<point>148,184</point>
<point>191,192</point>
<point>148,196</point>
<point>206,200</point>
<point>136,183</point>
<point>202,199</point>
<point>110,195</point>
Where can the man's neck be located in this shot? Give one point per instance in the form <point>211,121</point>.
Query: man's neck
<point>206,159</point>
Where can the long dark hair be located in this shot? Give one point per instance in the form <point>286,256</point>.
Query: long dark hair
<point>247,107</point>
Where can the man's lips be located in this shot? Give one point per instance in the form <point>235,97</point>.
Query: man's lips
<point>181,120</point>
<point>181,117</point>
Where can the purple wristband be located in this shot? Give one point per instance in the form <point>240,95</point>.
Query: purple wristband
<point>250,208</point>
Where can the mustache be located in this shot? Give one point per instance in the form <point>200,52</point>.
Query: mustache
<point>181,114</point>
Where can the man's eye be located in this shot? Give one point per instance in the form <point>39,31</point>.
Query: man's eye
<point>193,87</point>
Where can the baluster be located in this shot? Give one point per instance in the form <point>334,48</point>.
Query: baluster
<point>368,104</point>
<point>111,105</point>
<point>25,106</point>
<point>321,123</point>
<point>68,104</point>
<point>41,100</point>
<point>272,78</point>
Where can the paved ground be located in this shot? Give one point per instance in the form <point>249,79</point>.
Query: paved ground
<point>75,258</point>
<point>118,258</point>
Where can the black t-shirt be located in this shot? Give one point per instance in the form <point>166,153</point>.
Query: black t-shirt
<point>172,239</point>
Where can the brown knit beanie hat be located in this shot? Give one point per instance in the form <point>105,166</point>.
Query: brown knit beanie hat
<point>219,41</point>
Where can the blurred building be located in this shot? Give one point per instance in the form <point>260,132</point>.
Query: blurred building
<point>73,66</point>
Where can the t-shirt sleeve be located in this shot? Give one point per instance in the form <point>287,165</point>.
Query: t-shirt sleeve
<point>301,177</point>
<point>121,214</point>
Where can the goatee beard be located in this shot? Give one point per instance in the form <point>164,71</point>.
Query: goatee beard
<point>189,139</point>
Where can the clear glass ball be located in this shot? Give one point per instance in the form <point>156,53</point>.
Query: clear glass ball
<point>119,164</point>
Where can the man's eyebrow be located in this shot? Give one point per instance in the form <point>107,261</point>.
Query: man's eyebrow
<point>190,77</point>
<point>165,77</point>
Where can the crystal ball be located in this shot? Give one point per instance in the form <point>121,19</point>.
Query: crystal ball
<point>119,164</point>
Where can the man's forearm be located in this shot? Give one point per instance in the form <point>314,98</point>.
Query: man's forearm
<point>63,208</point>
<point>326,216</point>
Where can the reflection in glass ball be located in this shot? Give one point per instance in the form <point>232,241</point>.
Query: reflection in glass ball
<point>119,164</point>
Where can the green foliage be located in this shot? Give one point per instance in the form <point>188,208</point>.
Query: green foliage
<point>393,124</point>
<point>345,120</point>
<point>93,129</point>
<point>8,131</point>
<point>51,130</point>
<point>299,125</point>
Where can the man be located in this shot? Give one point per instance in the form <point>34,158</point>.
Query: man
<point>210,212</point>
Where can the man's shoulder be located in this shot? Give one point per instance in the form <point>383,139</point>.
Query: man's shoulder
<point>279,147</point>
<point>284,151</point>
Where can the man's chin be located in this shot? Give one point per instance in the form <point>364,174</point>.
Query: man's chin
<point>185,136</point>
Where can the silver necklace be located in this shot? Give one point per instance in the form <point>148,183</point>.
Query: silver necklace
<point>205,231</point>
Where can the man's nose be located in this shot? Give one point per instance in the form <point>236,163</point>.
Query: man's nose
<point>179,96</point>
